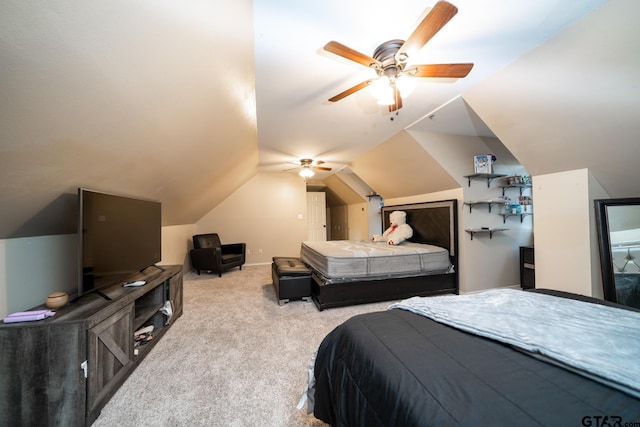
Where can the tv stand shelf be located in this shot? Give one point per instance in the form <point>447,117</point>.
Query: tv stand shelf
<point>143,314</point>
<point>70,365</point>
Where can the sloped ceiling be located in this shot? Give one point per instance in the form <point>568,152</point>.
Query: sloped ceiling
<point>135,98</point>
<point>342,190</point>
<point>158,99</point>
<point>400,167</point>
<point>574,102</point>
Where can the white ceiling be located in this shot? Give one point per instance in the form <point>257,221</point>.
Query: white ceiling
<point>295,76</point>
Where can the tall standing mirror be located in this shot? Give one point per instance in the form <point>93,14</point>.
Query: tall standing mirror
<point>619,239</point>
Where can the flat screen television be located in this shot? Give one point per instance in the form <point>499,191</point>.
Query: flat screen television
<point>118,237</point>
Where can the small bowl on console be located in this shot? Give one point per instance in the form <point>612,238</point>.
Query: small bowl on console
<point>57,300</point>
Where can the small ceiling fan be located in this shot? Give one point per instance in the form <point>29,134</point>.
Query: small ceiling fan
<point>390,60</point>
<point>308,166</point>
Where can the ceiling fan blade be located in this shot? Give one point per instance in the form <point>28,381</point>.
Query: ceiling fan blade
<point>440,70</point>
<point>437,17</point>
<point>349,91</point>
<point>322,168</point>
<point>346,52</point>
<point>398,104</point>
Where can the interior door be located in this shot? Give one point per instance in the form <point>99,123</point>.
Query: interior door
<point>316,216</point>
<point>338,221</point>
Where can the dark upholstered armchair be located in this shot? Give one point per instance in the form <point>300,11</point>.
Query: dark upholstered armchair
<point>209,254</point>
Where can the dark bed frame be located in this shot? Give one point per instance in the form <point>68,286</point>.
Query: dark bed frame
<point>434,223</point>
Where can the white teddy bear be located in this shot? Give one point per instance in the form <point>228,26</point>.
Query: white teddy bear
<point>398,232</point>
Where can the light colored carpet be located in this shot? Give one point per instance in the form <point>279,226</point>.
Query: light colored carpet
<point>234,358</point>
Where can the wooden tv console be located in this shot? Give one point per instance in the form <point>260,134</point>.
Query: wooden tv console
<point>64,369</point>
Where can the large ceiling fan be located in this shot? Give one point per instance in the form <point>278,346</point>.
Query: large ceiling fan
<point>390,60</point>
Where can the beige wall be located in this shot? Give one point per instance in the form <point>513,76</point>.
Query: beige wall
<point>357,215</point>
<point>566,246</point>
<point>268,213</point>
<point>176,242</point>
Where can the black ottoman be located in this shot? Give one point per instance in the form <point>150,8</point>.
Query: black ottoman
<point>291,279</point>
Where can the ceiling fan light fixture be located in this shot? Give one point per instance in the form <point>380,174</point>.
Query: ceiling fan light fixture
<point>379,87</point>
<point>405,85</point>
<point>306,172</point>
<point>387,99</point>
<point>382,91</point>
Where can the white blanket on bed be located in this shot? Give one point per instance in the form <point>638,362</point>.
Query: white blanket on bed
<point>599,341</point>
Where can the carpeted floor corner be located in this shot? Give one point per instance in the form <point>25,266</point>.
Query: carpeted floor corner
<point>234,358</point>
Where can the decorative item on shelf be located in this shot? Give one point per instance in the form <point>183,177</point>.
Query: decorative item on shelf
<point>518,180</point>
<point>507,204</point>
<point>484,163</point>
<point>515,180</point>
<point>525,201</point>
<point>57,300</point>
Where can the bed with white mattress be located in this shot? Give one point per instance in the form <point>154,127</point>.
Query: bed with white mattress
<point>345,260</point>
<point>348,272</point>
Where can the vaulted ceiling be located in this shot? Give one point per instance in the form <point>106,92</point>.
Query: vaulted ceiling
<point>185,101</point>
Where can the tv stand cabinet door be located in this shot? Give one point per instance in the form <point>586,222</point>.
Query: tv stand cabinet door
<point>111,360</point>
<point>41,380</point>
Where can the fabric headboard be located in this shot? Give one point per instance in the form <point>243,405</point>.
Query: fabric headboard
<point>434,223</point>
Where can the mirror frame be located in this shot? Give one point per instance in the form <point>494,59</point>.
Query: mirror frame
<point>604,242</point>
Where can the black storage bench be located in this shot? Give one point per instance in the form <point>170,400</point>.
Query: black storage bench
<point>291,279</point>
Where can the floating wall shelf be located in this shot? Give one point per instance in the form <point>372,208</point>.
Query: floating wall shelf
<point>488,176</point>
<point>521,215</point>
<point>518,186</point>
<point>484,230</point>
